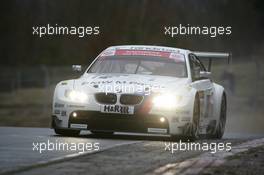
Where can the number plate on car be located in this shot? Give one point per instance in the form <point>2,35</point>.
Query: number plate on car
<point>117,109</point>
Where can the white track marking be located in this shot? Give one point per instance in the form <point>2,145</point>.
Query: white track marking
<point>197,164</point>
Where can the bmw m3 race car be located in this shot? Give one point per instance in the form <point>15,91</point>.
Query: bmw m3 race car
<point>143,89</point>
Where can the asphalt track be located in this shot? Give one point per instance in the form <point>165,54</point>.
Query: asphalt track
<point>17,149</point>
<point>16,146</point>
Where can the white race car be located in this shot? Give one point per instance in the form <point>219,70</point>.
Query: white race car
<point>143,89</point>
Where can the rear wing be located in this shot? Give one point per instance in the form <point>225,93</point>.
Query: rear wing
<point>213,55</point>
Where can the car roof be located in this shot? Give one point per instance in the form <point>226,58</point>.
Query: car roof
<point>148,47</point>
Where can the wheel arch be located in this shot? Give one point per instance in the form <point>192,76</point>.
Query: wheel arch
<point>193,95</point>
<point>217,98</point>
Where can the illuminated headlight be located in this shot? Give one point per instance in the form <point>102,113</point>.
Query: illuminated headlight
<point>76,96</point>
<point>166,101</point>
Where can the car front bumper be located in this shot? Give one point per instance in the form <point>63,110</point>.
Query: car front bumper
<point>98,121</point>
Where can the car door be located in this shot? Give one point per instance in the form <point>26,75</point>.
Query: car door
<point>205,88</point>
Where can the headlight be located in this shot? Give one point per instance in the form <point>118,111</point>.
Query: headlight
<point>76,96</point>
<point>166,101</point>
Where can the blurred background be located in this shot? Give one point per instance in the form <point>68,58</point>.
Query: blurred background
<point>31,66</point>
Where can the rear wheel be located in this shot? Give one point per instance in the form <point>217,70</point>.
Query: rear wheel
<point>66,132</point>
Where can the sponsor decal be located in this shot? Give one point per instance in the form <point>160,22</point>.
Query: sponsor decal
<point>59,105</point>
<point>177,57</point>
<point>79,126</point>
<point>161,49</point>
<point>172,55</point>
<point>57,111</point>
<point>76,106</point>
<point>108,53</point>
<point>143,53</point>
<point>157,130</point>
<point>117,109</point>
<point>63,113</point>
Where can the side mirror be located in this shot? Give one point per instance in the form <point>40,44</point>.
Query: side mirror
<point>196,73</point>
<point>204,74</point>
<point>76,68</point>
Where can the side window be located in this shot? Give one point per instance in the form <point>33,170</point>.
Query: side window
<point>193,65</point>
<point>196,66</point>
<point>202,68</point>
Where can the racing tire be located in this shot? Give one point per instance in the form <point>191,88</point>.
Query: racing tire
<point>65,132</point>
<point>192,129</point>
<point>222,120</point>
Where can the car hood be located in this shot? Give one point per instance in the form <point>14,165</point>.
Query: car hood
<point>126,83</point>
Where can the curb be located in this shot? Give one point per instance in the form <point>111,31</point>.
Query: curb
<point>198,164</point>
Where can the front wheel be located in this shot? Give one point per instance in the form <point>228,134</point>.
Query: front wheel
<point>191,131</point>
<point>222,120</point>
<point>196,120</point>
<point>66,132</point>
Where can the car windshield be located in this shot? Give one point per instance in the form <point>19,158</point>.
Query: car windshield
<point>146,65</point>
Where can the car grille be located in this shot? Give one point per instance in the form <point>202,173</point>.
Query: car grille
<point>128,99</point>
<point>106,98</point>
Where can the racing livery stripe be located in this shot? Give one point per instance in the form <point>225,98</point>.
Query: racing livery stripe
<point>142,53</point>
<point>121,52</point>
